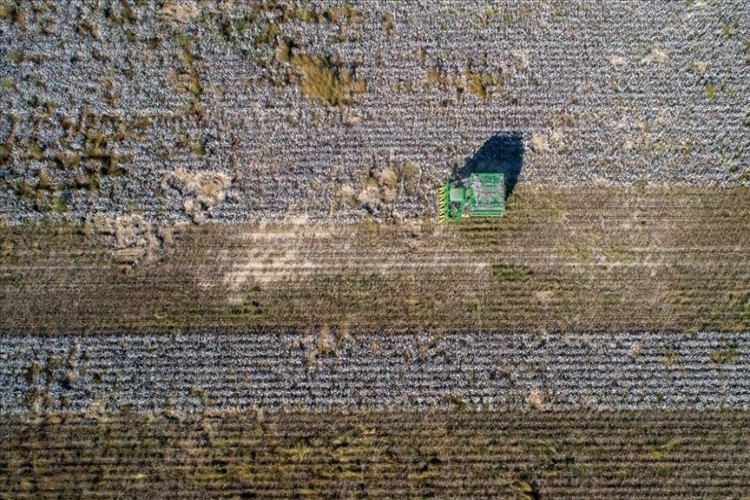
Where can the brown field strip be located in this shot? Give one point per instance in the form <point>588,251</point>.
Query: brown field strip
<point>574,259</point>
<point>446,454</point>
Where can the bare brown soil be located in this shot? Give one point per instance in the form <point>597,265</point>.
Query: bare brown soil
<point>578,259</point>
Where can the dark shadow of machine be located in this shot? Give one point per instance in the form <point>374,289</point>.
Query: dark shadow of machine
<point>500,154</point>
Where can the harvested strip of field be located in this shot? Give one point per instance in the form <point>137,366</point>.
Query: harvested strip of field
<point>186,374</point>
<point>513,455</point>
<point>575,259</point>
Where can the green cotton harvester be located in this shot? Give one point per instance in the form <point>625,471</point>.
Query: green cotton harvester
<point>479,195</point>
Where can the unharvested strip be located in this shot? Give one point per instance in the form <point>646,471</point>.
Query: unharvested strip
<point>197,373</point>
<point>121,101</point>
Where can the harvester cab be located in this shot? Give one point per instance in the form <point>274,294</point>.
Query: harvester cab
<point>479,195</point>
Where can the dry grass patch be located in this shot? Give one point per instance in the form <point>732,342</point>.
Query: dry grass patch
<point>179,12</point>
<point>379,190</point>
<point>201,190</point>
<point>325,81</point>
